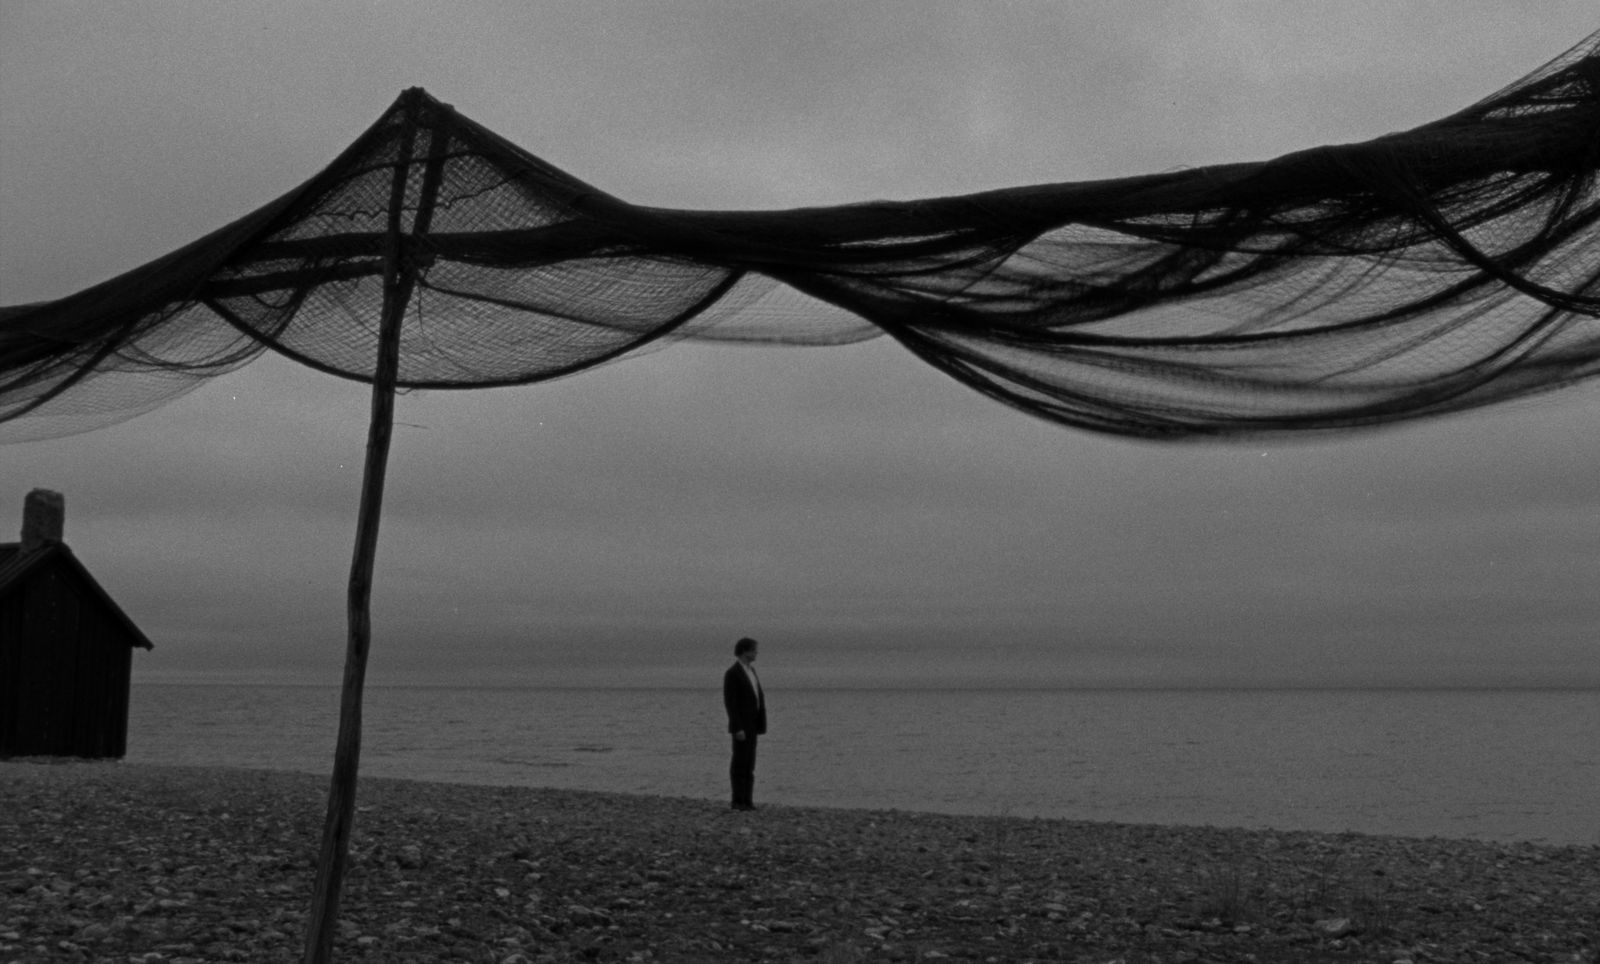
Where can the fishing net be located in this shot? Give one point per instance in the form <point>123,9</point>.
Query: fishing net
<point>1423,272</point>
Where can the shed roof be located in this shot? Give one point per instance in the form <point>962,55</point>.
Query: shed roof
<point>16,564</point>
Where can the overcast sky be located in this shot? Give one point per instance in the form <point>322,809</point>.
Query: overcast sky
<point>868,519</point>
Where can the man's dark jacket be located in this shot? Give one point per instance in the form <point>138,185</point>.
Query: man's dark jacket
<point>746,705</point>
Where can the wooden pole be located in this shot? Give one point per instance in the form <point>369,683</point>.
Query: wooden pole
<point>398,279</point>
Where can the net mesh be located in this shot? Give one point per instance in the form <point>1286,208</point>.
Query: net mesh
<point>1446,267</point>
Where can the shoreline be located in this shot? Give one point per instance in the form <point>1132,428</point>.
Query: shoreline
<point>117,862</point>
<point>1483,767</point>
<point>378,773</point>
<point>697,685</point>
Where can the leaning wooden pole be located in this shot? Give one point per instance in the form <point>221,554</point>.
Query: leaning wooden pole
<point>398,280</point>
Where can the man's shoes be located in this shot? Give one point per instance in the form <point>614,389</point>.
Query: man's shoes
<point>744,806</point>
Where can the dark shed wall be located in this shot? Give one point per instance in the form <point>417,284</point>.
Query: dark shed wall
<point>65,665</point>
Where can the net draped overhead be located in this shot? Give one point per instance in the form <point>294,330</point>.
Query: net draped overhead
<point>1445,267</point>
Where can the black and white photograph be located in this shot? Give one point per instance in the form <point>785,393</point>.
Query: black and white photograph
<point>699,481</point>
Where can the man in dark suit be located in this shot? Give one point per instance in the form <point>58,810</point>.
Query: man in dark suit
<point>747,719</point>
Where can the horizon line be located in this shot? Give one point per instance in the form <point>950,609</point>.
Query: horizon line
<point>912,686</point>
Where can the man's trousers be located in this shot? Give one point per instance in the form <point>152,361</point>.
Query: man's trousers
<point>742,771</point>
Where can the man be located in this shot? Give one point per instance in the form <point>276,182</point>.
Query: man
<point>747,719</point>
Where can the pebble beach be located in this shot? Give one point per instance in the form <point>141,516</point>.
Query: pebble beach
<point>115,862</point>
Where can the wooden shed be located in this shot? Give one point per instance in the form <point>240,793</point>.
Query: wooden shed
<point>66,649</point>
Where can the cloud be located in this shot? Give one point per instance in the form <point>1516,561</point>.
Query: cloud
<point>869,516</point>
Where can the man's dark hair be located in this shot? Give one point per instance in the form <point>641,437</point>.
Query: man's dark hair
<point>743,646</point>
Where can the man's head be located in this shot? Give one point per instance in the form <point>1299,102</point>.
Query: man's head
<point>745,650</point>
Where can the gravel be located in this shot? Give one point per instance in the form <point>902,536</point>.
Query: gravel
<point>132,863</point>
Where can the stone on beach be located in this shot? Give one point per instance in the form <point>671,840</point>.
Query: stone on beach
<point>122,862</point>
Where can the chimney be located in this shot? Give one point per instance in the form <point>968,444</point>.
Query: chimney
<point>43,518</point>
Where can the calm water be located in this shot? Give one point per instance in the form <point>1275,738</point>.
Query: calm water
<point>1496,765</point>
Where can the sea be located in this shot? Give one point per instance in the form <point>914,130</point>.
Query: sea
<point>1485,764</point>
